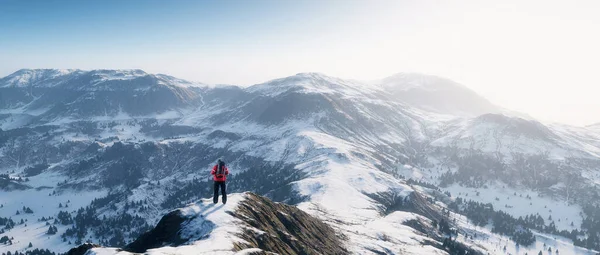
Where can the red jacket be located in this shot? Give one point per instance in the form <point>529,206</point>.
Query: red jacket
<point>219,177</point>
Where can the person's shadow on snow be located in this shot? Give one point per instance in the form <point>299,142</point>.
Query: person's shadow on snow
<point>214,209</point>
<point>209,209</point>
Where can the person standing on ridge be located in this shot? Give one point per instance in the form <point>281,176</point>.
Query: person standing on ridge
<point>219,173</point>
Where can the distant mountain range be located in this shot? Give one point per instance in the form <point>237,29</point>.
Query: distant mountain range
<point>404,165</point>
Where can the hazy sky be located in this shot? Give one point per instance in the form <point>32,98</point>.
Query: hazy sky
<point>539,57</point>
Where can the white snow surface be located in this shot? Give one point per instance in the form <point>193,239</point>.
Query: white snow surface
<point>483,239</point>
<point>209,227</point>
<point>47,78</point>
<point>508,135</point>
<point>43,205</point>
<point>29,77</point>
<point>312,83</point>
<point>503,198</point>
<point>408,81</point>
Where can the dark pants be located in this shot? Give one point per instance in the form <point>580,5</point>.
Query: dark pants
<point>216,196</point>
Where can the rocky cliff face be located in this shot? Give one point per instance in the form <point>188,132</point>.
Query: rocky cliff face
<point>285,229</point>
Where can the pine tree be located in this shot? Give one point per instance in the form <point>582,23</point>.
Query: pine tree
<point>51,230</point>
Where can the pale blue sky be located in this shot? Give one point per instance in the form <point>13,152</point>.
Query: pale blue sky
<point>534,56</point>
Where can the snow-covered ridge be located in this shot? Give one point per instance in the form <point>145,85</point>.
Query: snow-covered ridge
<point>75,78</point>
<point>248,223</point>
<point>311,83</point>
<point>437,94</point>
<point>408,81</point>
<point>44,96</point>
<point>497,133</point>
<point>594,126</point>
<point>30,77</point>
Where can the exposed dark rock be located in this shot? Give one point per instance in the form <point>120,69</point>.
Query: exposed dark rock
<point>165,233</point>
<point>82,249</point>
<point>388,202</point>
<point>287,229</point>
<point>426,230</point>
<point>419,205</point>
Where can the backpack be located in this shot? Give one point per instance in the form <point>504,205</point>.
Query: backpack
<point>220,169</point>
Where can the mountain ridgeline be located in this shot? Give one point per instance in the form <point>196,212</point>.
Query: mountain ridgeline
<point>390,166</point>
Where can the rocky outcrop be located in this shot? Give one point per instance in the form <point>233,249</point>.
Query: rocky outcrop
<point>266,228</point>
<point>165,233</point>
<point>82,249</point>
<point>285,229</point>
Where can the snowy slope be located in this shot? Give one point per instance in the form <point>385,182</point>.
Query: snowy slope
<point>503,134</point>
<point>440,95</point>
<point>210,229</point>
<point>42,78</point>
<point>436,94</point>
<point>311,83</point>
<point>207,228</point>
<point>52,78</point>
<point>40,97</point>
<point>336,148</point>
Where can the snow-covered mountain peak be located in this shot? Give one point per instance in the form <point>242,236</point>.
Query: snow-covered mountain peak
<point>312,74</point>
<point>115,74</point>
<point>170,80</point>
<point>78,93</point>
<point>437,94</point>
<point>100,79</point>
<point>33,77</point>
<point>409,81</point>
<point>44,71</point>
<point>310,83</point>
